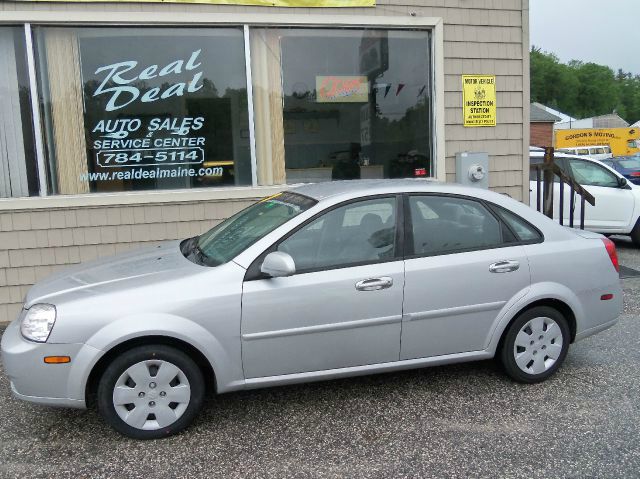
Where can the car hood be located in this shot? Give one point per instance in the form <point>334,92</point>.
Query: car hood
<point>142,267</point>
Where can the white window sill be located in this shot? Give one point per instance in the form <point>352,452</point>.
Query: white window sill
<point>139,198</point>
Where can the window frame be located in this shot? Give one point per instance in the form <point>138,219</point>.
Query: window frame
<point>490,207</point>
<point>253,271</point>
<point>247,21</point>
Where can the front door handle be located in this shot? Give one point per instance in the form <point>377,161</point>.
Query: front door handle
<point>374,284</point>
<point>504,266</point>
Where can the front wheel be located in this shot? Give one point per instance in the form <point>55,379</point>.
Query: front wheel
<point>535,345</point>
<point>150,392</point>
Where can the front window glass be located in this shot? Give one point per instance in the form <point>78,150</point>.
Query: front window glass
<point>336,104</point>
<point>358,233</point>
<point>18,170</point>
<point>144,108</point>
<point>442,225</point>
<point>590,174</point>
<point>234,235</point>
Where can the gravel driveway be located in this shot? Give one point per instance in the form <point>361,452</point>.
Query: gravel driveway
<point>458,421</point>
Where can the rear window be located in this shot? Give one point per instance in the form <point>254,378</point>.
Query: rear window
<point>523,230</point>
<point>631,163</point>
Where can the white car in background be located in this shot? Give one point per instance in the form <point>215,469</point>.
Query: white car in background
<point>617,207</point>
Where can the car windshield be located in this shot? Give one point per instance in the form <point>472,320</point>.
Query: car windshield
<point>630,163</point>
<point>231,237</point>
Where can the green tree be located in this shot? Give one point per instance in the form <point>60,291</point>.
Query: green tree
<point>583,89</point>
<point>598,91</point>
<point>552,83</point>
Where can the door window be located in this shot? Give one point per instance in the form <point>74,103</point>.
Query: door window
<point>590,174</point>
<point>358,233</point>
<point>443,225</point>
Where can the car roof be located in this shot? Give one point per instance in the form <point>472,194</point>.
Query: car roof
<point>356,188</point>
<point>344,190</point>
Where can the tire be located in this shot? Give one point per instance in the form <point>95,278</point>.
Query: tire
<point>535,345</point>
<point>635,234</point>
<point>144,409</point>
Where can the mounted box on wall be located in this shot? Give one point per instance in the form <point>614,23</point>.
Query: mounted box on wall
<point>472,169</point>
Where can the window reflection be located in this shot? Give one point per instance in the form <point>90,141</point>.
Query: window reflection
<point>139,109</point>
<point>356,104</point>
<point>18,169</point>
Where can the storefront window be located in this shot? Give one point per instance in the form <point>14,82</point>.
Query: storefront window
<point>143,108</point>
<point>18,170</point>
<point>341,104</point>
<point>164,108</point>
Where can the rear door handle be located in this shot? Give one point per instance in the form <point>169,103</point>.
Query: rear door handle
<point>374,284</point>
<point>504,266</point>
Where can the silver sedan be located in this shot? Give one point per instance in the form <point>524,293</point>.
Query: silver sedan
<point>319,282</point>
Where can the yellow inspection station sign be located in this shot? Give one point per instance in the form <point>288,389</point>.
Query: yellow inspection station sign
<point>479,100</point>
<point>263,3</point>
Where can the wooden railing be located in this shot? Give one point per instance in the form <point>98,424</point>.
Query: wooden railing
<point>544,177</point>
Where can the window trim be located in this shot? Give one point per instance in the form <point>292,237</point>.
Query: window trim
<point>489,206</point>
<point>253,271</point>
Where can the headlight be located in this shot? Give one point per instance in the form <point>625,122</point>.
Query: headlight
<point>38,322</point>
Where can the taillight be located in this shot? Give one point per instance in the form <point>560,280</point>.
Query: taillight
<point>635,174</point>
<point>613,255</point>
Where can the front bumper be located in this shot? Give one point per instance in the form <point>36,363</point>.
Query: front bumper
<point>35,381</point>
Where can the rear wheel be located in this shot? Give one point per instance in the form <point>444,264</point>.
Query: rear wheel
<point>151,392</point>
<point>635,234</point>
<point>535,345</point>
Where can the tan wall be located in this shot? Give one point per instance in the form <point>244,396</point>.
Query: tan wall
<point>35,243</point>
<point>479,37</point>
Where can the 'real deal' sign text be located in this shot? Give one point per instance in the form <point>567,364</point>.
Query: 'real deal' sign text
<point>119,83</point>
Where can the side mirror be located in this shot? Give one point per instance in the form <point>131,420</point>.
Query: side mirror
<point>622,182</point>
<point>278,265</point>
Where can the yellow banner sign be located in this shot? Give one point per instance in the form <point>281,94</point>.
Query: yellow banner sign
<point>479,100</point>
<point>262,3</point>
<point>342,89</point>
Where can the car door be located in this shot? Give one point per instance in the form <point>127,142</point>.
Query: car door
<point>342,307</point>
<point>463,266</point>
<point>614,203</point>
